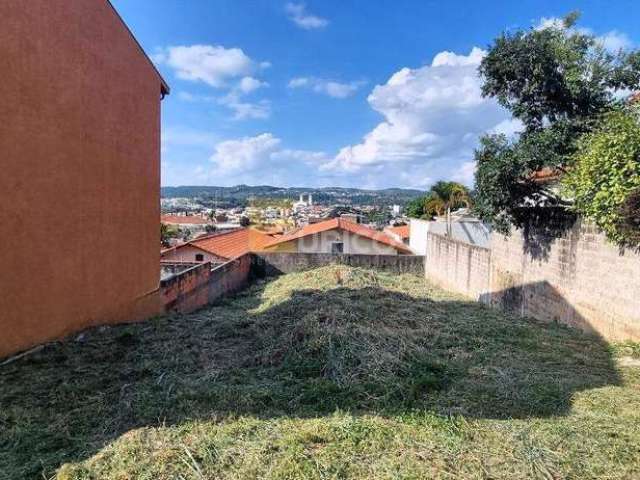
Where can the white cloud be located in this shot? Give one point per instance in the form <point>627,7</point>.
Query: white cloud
<point>298,14</point>
<point>509,127</point>
<point>249,84</point>
<point>465,173</point>
<point>244,153</point>
<point>612,41</point>
<point>615,41</point>
<point>327,87</point>
<point>433,116</point>
<point>214,65</point>
<point>262,159</point>
<point>247,110</point>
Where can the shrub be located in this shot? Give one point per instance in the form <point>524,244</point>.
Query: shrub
<point>604,179</point>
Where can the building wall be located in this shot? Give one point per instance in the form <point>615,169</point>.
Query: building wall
<point>188,253</point>
<point>352,244</point>
<point>418,230</point>
<point>582,280</point>
<point>79,189</point>
<point>473,232</point>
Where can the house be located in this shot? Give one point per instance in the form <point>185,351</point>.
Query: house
<point>337,235</point>
<point>400,233</point>
<point>80,182</point>
<point>218,247</point>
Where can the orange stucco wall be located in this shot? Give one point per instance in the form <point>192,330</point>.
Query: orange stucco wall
<point>79,171</point>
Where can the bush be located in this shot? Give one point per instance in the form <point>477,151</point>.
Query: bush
<point>605,176</point>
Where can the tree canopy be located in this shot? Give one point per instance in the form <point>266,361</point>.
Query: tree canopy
<point>442,197</point>
<point>556,81</point>
<point>604,181</point>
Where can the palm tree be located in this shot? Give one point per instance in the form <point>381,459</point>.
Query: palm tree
<point>444,197</point>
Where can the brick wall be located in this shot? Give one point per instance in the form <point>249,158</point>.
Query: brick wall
<point>202,284</point>
<point>273,263</point>
<point>582,280</point>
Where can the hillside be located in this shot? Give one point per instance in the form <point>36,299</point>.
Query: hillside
<point>328,195</point>
<point>332,373</point>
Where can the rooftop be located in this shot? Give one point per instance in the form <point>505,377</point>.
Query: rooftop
<point>402,231</point>
<point>230,244</point>
<point>341,224</point>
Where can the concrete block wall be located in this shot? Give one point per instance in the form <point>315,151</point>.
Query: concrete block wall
<point>458,266</point>
<point>273,263</point>
<point>582,280</point>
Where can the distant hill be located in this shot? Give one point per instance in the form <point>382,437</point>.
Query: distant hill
<point>325,195</point>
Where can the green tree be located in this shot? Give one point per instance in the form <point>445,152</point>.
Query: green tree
<point>245,221</point>
<point>605,177</point>
<point>166,234</point>
<point>441,199</point>
<point>415,207</point>
<point>556,81</point>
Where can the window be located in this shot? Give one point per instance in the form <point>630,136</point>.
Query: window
<point>199,257</point>
<point>336,247</point>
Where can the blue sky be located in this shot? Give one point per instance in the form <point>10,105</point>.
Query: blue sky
<point>368,94</point>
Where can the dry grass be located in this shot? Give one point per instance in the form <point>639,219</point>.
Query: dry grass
<point>328,374</point>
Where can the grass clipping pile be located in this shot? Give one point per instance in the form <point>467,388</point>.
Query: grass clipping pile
<point>349,336</point>
<point>336,372</point>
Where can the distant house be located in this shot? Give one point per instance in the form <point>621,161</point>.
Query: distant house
<point>218,247</point>
<point>337,236</point>
<point>80,181</point>
<point>400,233</point>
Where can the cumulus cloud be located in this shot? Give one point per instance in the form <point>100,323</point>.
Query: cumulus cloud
<point>249,84</point>
<point>327,87</point>
<point>244,153</point>
<point>297,13</point>
<point>221,68</point>
<point>433,116</point>
<point>214,65</point>
<point>263,159</point>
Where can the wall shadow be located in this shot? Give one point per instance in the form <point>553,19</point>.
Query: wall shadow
<point>540,300</point>
<point>542,226</point>
<point>366,350</point>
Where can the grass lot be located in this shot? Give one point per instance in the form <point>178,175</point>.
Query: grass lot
<point>328,374</point>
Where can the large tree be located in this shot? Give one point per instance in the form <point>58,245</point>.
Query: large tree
<point>440,200</point>
<point>557,81</point>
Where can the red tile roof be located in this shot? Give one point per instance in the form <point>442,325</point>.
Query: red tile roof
<point>402,231</point>
<point>546,175</point>
<point>184,220</point>
<point>341,224</point>
<point>233,244</point>
<point>229,244</point>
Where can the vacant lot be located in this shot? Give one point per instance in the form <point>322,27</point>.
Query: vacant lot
<point>332,373</point>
